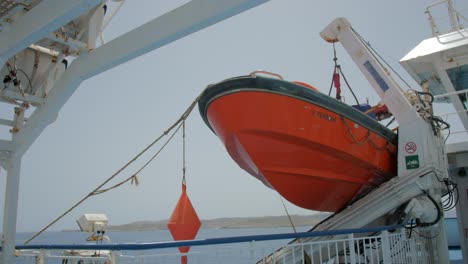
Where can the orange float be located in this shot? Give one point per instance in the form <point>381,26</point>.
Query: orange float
<point>316,151</point>
<point>184,222</point>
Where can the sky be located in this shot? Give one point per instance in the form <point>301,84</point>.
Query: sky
<point>113,116</point>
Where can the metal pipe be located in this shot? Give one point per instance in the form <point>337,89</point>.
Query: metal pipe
<point>453,16</point>
<point>104,25</point>
<point>210,241</point>
<point>451,93</point>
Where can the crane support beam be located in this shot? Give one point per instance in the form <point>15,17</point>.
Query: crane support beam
<point>377,204</point>
<point>37,23</point>
<point>383,199</point>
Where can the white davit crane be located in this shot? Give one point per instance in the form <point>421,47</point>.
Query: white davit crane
<point>420,142</point>
<point>417,189</point>
<point>422,160</point>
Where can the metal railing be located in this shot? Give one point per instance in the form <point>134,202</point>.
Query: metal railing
<point>453,19</point>
<point>352,246</point>
<point>384,248</point>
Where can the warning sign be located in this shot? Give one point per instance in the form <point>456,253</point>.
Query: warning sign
<point>410,147</point>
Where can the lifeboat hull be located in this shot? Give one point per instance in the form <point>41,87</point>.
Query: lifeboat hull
<point>317,152</point>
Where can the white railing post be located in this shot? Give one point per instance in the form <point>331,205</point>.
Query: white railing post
<point>40,257</point>
<point>112,257</point>
<point>141,256</point>
<point>386,254</point>
<point>352,250</point>
<point>252,251</point>
<point>412,243</point>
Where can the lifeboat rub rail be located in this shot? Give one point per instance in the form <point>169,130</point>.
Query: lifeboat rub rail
<point>264,84</point>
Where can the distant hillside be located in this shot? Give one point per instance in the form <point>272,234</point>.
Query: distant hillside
<point>233,222</point>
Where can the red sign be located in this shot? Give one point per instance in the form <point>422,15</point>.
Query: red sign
<point>410,147</point>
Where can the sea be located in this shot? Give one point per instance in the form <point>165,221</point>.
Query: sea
<point>225,253</point>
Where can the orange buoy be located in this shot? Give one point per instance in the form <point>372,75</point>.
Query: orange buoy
<point>184,222</point>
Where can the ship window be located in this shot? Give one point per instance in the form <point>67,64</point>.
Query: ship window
<point>459,78</point>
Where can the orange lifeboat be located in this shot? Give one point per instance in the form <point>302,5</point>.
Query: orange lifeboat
<point>316,151</point>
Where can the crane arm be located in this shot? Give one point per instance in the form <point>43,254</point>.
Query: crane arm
<point>340,30</point>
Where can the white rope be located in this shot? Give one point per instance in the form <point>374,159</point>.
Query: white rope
<point>98,189</point>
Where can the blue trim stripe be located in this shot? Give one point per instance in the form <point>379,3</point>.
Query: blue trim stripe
<point>378,79</point>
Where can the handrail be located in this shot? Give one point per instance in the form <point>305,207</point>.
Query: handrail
<point>434,4</point>
<point>450,93</point>
<point>208,241</point>
<point>254,73</point>
<point>452,14</point>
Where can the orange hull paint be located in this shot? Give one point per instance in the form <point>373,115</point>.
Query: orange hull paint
<point>312,156</point>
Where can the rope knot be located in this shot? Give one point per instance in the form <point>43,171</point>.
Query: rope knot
<point>134,180</point>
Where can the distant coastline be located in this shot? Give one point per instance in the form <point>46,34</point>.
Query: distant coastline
<point>230,222</point>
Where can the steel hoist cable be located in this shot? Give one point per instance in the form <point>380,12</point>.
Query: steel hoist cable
<point>184,167</point>
<point>379,58</point>
<point>337,71</point>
